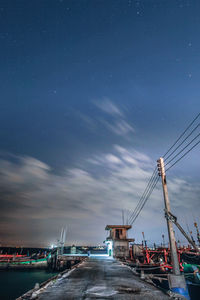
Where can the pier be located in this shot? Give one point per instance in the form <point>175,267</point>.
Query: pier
<point>97,278</point>
<point>65,261</point>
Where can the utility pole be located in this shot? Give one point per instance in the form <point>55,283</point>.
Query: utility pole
<point>176,280</point>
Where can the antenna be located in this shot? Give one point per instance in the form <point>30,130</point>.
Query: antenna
<point>122,216</point>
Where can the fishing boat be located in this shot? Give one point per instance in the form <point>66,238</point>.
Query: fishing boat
<point>155,265</point>
<point>23,262</point>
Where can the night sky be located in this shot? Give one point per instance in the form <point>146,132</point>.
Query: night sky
<point>93,92</point>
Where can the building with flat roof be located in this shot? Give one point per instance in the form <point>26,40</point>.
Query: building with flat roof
<point>118,241</point>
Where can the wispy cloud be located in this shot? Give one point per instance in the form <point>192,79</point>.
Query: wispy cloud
<point>107,106</point>
<point>119,127</point>
<point>36,203</point>
<point>90,122</point>
<point>116,120</point>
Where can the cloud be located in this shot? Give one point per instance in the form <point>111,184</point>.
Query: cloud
<point>107,106</point>
<point>90,122</point>
<point>113,159</point>
<point>36,203</point>
<point>119,127</point>
<point>134,157</point>
<point>111,117</point>
<point>115,120</point>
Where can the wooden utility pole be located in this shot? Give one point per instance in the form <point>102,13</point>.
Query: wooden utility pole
<point>176,280</point>
<point>172,241</point>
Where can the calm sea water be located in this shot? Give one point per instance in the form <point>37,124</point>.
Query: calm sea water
<point>15,283</point>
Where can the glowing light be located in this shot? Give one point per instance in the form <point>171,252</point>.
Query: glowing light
<point>110,247</point>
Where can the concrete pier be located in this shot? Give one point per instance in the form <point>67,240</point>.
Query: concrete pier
<point>98,279</point>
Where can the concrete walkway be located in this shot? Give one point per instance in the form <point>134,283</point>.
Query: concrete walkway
<point>99,279</point>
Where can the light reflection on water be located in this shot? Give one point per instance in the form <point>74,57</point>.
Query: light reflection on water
<point>15,283</point>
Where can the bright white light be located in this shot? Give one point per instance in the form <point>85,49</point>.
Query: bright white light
<point>110,247</point>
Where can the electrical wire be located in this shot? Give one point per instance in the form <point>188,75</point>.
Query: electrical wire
<point>154,179</point>
<point>182,135</point>
<point>144,193</point>
<point>142,202</point>
<point>149,194</point>
<point>182,142</point>
<point>183,156</point>
<point>183,149</point>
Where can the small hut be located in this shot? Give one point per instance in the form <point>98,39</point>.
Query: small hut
<point>118,241</point>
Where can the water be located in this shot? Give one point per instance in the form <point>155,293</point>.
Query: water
<point>15,283</point>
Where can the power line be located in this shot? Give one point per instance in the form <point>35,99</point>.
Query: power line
<point>182,134</point>
<point>144,193</point>
<point>154,179</point>
<point>143,199</point>
<point>183,149</point>
<point>182,142</point>
<point>138,205</point>
<point>183,155</point>
<point>144,202</point>
<point>149,194</point>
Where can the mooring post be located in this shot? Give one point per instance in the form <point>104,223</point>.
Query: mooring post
<point>177,281</point>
